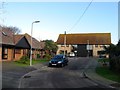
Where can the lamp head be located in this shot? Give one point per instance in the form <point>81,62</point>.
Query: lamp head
<point>36,21</point>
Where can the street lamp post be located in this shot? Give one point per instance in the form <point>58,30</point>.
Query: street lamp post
<point>31,42</point>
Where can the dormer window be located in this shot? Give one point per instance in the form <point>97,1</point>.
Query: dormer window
<point>4,33</point>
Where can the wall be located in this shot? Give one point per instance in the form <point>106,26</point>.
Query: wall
<point>35,52</point>
<point>97,48</point>
<point>68,48</point>
<point>10,54</point>
<point>18,55</point>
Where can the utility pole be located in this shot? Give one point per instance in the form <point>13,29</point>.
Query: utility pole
<point>65,43</point>
<point>88,47</point>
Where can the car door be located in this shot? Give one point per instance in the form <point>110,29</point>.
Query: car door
<point>66,60</point>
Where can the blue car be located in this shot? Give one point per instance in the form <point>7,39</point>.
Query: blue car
<point>58,60</point>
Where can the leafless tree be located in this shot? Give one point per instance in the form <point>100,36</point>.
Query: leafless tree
<point>15,30</point>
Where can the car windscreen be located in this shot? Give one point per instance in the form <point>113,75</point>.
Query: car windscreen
<point>58,57</point>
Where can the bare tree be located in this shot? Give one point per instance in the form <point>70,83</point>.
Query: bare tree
<point>15,30</point>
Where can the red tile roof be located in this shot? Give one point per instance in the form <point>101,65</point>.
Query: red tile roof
<point>17,38</point>
<point>35,42</point>
<point>94,38</point>
<point>8,38</point>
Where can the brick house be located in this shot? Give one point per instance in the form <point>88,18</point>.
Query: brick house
<point>86,44</point>
<point>13,47</point>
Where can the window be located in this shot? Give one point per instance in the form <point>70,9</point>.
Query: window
<point>67,45</point>
<point>4,53</point>
<point>101,46</point>
<point>64,45</point>
<point>25,52</point>
<point>96,46</point>
<point>4,33</point>
<point>17,51</point>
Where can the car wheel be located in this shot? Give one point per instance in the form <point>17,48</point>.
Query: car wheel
<point>62,65</point>
<point>49,65</point>
<point>66,63</point>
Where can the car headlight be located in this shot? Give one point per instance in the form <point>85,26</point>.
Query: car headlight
<point>49,61</point>
<point>59,62</point>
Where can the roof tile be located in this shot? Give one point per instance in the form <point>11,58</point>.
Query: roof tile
<point>94,38</point>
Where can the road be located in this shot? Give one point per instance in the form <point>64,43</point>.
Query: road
<point>11,74</point>
<point>71,76</point>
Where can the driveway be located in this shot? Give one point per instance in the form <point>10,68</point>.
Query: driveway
<point>71,76</point>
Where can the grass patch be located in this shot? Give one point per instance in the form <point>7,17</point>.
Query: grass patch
<point>107,73</point>
<point>102,60</point>
<point>40,61</point>
<point>19,63</point>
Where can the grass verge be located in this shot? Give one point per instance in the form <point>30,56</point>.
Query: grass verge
<point>102,60</point>
<point>108,74</point>
<point>28,62</point>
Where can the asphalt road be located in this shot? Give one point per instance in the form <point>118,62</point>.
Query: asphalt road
<point>71,76</point>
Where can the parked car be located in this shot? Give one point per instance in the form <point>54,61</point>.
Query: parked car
<point>102,56</point>
<point>59,60</point>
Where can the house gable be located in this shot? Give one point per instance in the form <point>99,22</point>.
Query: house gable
<point>22,43</point>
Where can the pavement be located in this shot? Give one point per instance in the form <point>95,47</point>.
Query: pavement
<point>91,74</point>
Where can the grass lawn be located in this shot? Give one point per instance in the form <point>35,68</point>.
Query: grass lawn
<point>103,60</point>
<point>28,62</point>
<point>106,73</point>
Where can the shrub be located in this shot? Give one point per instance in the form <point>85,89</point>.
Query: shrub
<point>38,55</point>
<point>48,57</point>
<point>115,63</point>
<point>24,59</point>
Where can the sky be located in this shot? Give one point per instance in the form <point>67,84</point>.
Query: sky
<point>57,17</point>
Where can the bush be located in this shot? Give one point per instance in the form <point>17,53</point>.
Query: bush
<point>48,57</point>
<point>38,55</point>
<point>115,63</point>
<point>24,59</point>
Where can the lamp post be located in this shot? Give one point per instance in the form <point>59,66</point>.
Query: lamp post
<point>31,42</point>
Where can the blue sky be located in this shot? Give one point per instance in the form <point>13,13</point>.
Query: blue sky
<point>57,17</point>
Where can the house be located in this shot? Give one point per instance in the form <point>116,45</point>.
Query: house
<point>13,47</point>
<point>42,49</point>
<point>85,44</point>
<point>7,44</point>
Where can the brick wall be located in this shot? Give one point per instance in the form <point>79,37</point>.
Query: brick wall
<point>68,48</point>
<point>10,54</point>
<point>98,48</point>
<point>18,55</point>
